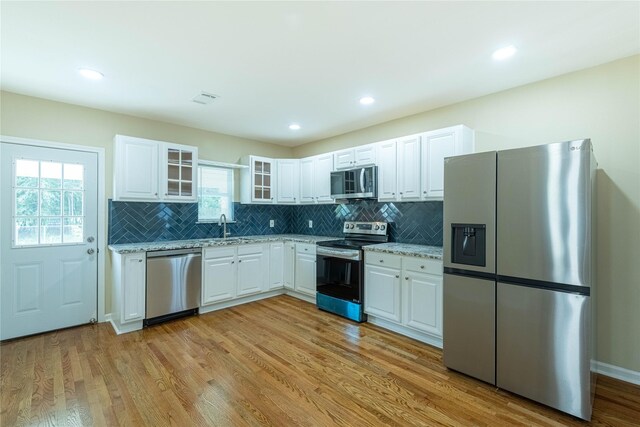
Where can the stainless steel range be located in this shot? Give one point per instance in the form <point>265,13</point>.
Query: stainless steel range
<point>340,269</point>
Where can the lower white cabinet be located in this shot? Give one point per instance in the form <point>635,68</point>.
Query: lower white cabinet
<point>219,275</point>
<point>289,265</point>
<point>234,271</point>
<point>276,265</point>
<point>128,291</point>
<point>404,290</point>
<point>305,269</point>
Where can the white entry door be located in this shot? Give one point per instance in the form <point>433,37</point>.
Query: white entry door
<point>48,246</point>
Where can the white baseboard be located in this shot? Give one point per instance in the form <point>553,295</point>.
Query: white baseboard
<point>303,297</point>
<point>403,330</point>
<point>232,303</point>
<point>617,372</point>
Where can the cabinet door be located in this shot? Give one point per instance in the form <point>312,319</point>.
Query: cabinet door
<point>250,273</point>
<point>289,264</point>
<point>134,286</point>
<point>435,147</point>
<point>219,275</point>
<point>423,302</point>
<point>382,296</point>
<point>409,168</point>
<point>365,155</point>
<point>322,179</point>
<point>305,274</point>
<point>387,173</point>
<point>288,180</point>
<point>262,179</point>
<point>307,194</point>
<point>136,169</point>
<point>179,172</point>
<point>344,159</point>
<point>276,265</point>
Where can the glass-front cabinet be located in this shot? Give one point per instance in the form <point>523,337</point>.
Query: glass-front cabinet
<point>259,180</point>
<point>180,173</point>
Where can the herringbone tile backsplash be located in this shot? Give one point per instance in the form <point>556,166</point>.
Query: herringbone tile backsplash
<point>133,222</point>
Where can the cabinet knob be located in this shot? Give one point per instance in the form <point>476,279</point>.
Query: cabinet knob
<point>424,192</point>
<point>397,276</point>
<point>393,194</point>
<point>401,193</point>
<point>239,261</point>
<point>139,260</point>
<point>381,260</point>
<point>422,267</point>
<point>406,278</point>
<point>232,262</point>
<point>155,194</point>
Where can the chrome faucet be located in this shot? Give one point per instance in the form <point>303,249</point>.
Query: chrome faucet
<point>223,221</point>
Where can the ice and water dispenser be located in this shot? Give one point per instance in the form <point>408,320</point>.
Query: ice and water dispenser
<point>469,244</point>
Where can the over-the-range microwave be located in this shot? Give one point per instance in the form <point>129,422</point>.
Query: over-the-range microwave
<point>360,183</point>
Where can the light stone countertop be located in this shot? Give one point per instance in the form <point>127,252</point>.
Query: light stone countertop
<point>126,248</point>
<point>423,251</point>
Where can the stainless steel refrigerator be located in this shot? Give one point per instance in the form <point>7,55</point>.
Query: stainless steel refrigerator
<point>519,264</point>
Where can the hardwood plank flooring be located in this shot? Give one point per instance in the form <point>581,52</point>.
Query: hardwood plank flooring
<point>276,362</point>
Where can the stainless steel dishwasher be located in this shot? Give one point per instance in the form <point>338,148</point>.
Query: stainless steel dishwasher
<point>174,280</point>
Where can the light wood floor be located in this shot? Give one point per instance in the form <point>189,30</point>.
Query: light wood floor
<point>276,362</point>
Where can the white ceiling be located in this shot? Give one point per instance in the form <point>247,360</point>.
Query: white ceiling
<point>274,63</point>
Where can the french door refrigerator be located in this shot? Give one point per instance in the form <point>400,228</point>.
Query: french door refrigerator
<point>519,264</point>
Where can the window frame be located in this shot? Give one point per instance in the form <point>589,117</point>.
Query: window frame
<point>230,190</point>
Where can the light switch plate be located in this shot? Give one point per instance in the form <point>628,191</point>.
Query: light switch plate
<point>310,224</point>
<point>272,223</point>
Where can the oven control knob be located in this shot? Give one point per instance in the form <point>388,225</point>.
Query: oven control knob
<point>351,225</point>
<point>382,227</point>
<point>377,227</point>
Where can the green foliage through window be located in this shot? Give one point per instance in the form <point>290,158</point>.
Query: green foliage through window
<point>215,193</point>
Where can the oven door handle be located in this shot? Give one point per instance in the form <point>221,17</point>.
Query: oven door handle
<point>336,253</point>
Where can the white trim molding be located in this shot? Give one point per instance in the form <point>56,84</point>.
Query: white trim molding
<point>101,173</point>
<point>617,372</point>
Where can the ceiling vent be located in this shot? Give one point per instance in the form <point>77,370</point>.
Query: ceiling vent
<point>204,98</point>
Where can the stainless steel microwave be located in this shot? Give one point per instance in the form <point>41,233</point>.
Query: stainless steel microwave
<point>360,183</point>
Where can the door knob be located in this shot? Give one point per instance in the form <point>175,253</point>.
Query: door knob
<point>90,251</point>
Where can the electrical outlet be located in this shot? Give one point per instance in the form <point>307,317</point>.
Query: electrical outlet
<point>310,224</point>
<point>272,223</point>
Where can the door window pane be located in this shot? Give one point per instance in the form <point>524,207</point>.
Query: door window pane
<point>44,213</point>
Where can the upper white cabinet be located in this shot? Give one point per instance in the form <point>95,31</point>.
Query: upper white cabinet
<point>355,157</point>
<point>288,171</point>
<point>408,168</point>
<point>315,179</point>
<point>258,180</point>
<point>147,170</point>
<point>387,170</point>
<point>436,145</point>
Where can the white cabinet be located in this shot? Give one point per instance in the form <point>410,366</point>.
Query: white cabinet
<point>355,157</point>
<point>234,271</point>
<point>147,170</point>
<point>387,170</point>
<point>288,182</point>
<point>276,265</point>
<point>406,291</point>
<point>251,271</point>
<point>258,180</point>
<point>219,275</point>
<point>305,269</point>
<point>315,179</point>
<point>128,291</point>
<point>423,294</point>
<point>382,295</point>
<point>436,146</point>
<point>135,169</point>
<point>408,168</point>
<point>179,172</point>
<point>289,264</point>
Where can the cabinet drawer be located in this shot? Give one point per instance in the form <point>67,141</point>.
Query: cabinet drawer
<point>219,252</point>
<point>382,259</point>
<point>423,265</point>
<point>306,248</point>
<point>249,249</point>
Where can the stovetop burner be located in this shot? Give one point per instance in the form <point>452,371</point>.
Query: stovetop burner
<point>359,234</point>
<point>347,243</point>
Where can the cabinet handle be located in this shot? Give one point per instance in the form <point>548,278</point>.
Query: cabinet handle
<point>232,262</point>
<point>406,278</point>
<point>139,260</point>
<point>397,276</point>
<point>239,261</point>
<point>381,260</point>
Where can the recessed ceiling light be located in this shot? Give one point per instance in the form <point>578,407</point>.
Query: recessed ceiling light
<point>90,74</point>
<point>367,100</point>
<point>294,126</point>
<point>504,53</point>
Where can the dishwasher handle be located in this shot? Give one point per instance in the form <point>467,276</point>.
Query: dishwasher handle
<point>194,252</point>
